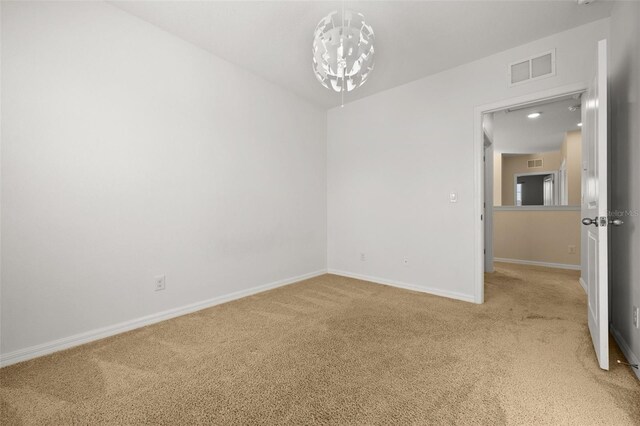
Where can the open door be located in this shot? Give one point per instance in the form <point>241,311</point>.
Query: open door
<point>594,207</point>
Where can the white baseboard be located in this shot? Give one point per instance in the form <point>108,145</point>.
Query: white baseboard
<point>536,263</point>
<point>583,284</point>
<point>100,333</point>
<point>626,350</point>
<point>413,287</point>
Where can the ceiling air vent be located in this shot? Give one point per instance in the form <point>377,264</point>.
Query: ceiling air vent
<point>531,164</point>
<point>533,68</point>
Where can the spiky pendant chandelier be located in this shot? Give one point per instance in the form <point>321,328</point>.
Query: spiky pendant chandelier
<point>343,51</point>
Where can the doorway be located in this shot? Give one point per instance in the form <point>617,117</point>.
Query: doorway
<point>489,181</point>
<point>593,195</point>
<point>527,221</point>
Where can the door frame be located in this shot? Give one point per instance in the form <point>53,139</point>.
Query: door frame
<point>556,199</point>
<point>478,152</point>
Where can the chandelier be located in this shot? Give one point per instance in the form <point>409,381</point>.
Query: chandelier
<point>343,51</point>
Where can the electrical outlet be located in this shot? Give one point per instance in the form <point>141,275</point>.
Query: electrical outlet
<point>636,317</point>
<point>405,261</point>
<point>363,258</point>
<point>572,249</point>
<point>160,283</point>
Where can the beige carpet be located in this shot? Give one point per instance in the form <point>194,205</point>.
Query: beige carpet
<point>334,350</point>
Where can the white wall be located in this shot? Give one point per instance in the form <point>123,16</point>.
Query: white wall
<point>128,153</point>
<point>497,178</point>
<point>624,71</point>
<point>488,153</point>
<point>488,207</point>
<point>394,157</point>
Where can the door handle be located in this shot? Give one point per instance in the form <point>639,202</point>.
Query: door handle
<point>588,221</point>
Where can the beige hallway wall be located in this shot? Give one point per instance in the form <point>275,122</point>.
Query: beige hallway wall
<point>572,152</point>
<point>537,235</point>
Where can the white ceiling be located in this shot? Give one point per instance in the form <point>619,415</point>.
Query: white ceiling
<point>413,39</point>
<point>514,133</point>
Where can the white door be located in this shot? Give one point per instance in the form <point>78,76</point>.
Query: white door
<point>547,191</point>
<point>594,208</point>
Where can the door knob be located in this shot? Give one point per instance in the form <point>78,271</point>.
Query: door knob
<point>615,222</point>
<point>587,221</point>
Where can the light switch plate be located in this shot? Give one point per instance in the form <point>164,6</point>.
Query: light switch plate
<point>453,197</point>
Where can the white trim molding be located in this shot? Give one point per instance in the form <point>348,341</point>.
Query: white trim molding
<point>406,286</point>
<point>626,350</point>
<point>536,263</point>
<point>583,284</point>
<point>100,333</point>
<point>536,208</point>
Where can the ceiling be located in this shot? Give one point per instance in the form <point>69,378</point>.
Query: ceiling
<point>413,39</point>
<point>515,133</point>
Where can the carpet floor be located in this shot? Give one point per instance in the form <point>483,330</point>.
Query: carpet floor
<point>334,350</point>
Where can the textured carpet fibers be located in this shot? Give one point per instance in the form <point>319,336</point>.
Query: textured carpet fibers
<point>333,350</point>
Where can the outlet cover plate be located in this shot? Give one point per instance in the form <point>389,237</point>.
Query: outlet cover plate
<point>160,283</point>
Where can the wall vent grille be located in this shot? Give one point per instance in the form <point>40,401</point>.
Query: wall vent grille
<point>532,164</point>
<point>533,68</point>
